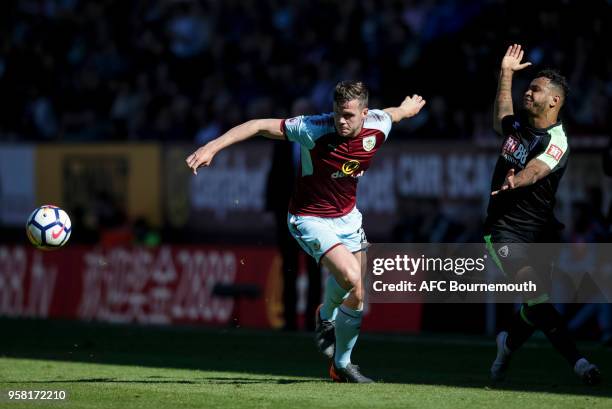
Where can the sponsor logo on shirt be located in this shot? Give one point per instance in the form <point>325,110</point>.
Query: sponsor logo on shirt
<point>511,145</point>
<point>514,151</point>
<point>555,152</point>
<point>338,174</point>
<point>348,168</point>
<point>521,154</point>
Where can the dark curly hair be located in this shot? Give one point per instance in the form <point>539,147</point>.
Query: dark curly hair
<point>556,79</point>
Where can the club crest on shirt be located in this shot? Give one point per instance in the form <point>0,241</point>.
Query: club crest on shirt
<point>369,143</point>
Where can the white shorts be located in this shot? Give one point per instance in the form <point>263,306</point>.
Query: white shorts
<point>317,235</point>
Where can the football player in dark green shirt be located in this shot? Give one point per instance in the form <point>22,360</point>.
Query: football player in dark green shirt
<point>532,161</point>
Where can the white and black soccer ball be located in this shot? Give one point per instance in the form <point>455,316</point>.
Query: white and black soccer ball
<point>48,227</point>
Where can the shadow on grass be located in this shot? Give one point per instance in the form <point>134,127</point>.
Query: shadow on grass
<point>202,381</point>
<point>275,357</point>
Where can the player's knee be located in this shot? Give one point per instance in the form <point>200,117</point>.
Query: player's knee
<point>346,270</point>
<point>543,316</point>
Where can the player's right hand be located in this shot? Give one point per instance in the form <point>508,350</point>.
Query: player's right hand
<point>412,105</point>
<point>508,183</point>
<point>200,158</point>
<point>513,57</point>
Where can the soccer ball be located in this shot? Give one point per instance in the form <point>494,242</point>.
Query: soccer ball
<point>48,227</point>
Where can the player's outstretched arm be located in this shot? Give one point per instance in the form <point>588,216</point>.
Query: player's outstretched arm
<point>408,108</point>
<point>270,128</point>
<point>503,101</point>
<point>534,171</point>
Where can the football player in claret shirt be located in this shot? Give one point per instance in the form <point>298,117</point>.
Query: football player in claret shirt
<point>336,148</point>
<point>533,159</point>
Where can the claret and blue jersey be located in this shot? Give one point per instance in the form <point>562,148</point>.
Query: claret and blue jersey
<point>330,163</point>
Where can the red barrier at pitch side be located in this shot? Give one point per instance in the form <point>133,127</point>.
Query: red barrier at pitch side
<point>210,285</point>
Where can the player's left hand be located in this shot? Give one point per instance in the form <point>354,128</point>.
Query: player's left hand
<point>508,183</point>
<point>202,157</point>
<point>512,59</point>
<point>412,105</point>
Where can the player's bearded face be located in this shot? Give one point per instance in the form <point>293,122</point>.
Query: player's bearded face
<point>349,118</point>
<point>538,97</point>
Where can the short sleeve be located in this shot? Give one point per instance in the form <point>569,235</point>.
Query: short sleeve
<point>379,119</point>
<point>305,130</point>
<point>556,151</point>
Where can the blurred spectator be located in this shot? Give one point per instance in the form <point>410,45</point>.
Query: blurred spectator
<point>185,69</point>
<point>188,29</point>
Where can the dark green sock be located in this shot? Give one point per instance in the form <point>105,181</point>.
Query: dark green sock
<point>547,319</point>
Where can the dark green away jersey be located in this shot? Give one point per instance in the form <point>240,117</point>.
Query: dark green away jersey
<point>527,209</point>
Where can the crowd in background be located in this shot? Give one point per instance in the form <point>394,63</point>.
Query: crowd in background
<point>186,70</point>
<point>167,70</point>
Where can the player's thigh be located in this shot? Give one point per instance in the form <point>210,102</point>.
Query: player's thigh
<point>509,252</point>
<point>357,243</point>
<point>523,262</point>
<point>513,258</point>
<point>343,265</point>
<point>356,297</point>
<point>362,259</point>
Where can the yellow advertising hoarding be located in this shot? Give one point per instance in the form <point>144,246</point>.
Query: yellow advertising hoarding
<point>80,175</point>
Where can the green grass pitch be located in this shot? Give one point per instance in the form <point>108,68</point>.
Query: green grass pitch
<point>105,366</point>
